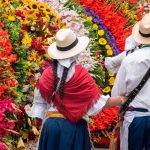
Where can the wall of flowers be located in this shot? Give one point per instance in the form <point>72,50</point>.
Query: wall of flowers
<point>27,28</point>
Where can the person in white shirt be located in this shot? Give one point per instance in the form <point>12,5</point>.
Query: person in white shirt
<point>135,131</point>
<point>76,96</point>
<point>112,64</point>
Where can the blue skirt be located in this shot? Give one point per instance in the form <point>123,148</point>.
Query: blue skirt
<point>61,134</point>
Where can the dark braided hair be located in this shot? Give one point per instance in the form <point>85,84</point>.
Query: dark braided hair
<point>62,84</point>
<point>55,63</point>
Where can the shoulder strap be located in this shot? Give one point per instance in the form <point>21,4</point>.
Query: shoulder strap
<point>133,94</point>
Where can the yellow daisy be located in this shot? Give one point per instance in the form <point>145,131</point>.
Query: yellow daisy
<point>89,19</point>
<point>109,52</point>
<point>107,46</point>
<point>107,89</point>
<point>95,26</point>
<point>102,41</point>
<point>101,32</point>
<point>111,81</point>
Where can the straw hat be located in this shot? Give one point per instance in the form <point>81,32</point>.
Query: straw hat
<point>141,30</point>
<point>67,44</point>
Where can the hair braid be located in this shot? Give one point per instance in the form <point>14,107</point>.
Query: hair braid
<point>55,73</point>
<point>62,84</point>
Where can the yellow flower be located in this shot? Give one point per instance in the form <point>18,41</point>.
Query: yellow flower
<point>109,52</point>
<point>46,18</point>
<point>29,73</point>
<point>111,74</point>
<point>95,26</point>
<point>89,19</point>
<point>42,6</point>
<point>101,32</point>
<point>26,41</point>
<point>11,18</point>
<point>26,2</point>
<point>47,56</point>
<point>33,5</point>
<point>102,41</point>
<point>111,81</point>
<point>57,21</point>
<point>20,143</point>
<point>107,46</point>
<point>106,89</point>
<point>28,64</point>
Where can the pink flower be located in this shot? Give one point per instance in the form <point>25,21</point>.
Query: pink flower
<point>2,116</point>
<point>10,124</point>
<point>2,146</point>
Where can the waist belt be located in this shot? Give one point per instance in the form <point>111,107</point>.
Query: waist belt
<point>137,109</point>
<point>54,115</point>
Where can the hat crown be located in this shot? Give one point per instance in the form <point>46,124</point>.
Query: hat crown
<point>144,25</point>
<point>65,37</point>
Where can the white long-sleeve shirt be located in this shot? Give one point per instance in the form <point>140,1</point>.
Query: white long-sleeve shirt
<point>40,107</point>
<point>131,72</point>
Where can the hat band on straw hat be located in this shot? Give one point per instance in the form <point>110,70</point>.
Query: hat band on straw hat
<point>144,35</point>
<point>68,47</point>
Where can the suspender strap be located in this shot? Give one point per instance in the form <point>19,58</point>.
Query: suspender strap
<point>133,94</point>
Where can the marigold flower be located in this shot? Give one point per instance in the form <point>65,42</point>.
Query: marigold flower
<point>102,41</point>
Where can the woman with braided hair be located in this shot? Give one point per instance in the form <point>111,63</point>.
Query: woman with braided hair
<point>65,94</point>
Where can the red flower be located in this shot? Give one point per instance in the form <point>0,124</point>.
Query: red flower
<point>2,116</point>
<point>10,124</point>
<point>3,146</point>
<point>20,14</point>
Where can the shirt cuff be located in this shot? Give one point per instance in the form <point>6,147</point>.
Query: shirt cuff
<point>98,106</point>
<point>38,111</point>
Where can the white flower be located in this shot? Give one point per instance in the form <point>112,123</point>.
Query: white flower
<point>25,88</point>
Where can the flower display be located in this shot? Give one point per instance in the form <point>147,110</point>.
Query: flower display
<point>30,27</point>
<point>27,28</point>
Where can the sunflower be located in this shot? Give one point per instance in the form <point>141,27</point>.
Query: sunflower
<point>102,41</point>
<point>48,11</point>
<point>46,18</point>
<point>26,2</point>
<point>33,5</point>
<point>57,21</point>
<point>42,6</point>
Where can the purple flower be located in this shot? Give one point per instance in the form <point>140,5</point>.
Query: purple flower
<point>110,38</point>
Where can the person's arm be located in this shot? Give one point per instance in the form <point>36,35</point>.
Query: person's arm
<point>115,101</point>
<point>106,101</point>
<point>39,107</point>
<point>113,64</point>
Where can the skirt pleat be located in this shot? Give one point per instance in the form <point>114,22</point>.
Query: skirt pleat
<point>61,134</point>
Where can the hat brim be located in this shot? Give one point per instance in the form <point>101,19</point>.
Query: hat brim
<point>137,36</point>
<point>57,54</point>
